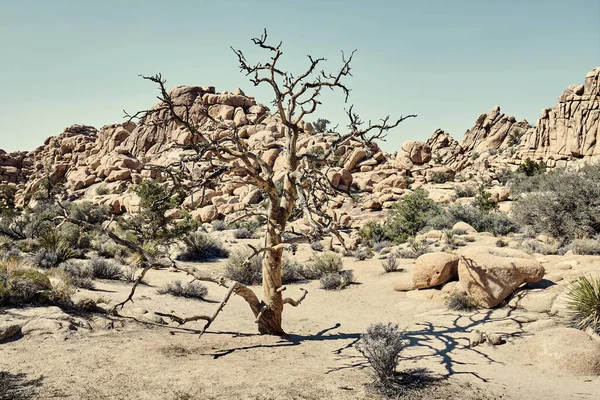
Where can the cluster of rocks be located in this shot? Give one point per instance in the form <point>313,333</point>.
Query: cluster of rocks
<point>113,158</point>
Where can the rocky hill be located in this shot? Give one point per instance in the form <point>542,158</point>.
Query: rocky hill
<point>102,164</point>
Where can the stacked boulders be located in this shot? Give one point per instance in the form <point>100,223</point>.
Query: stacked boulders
<point>487,274</point>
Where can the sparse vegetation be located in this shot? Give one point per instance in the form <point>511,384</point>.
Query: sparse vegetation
<point>103,268</point>
<point>190,290</point>
<point>243,233</point>
<point>460,301</point>
<point>337,281</point>
<point>80,273</point>
<point>563,204</point>
<point>390,264</point>
<point>465,190</point>
<point>381,345</point>
<point>316,246</point>
<point>327,263</point>
<point>363,253</point>
<point>202,247</point>
<point>584,303</point>
<point>590,247</point>
<point>241,269</point>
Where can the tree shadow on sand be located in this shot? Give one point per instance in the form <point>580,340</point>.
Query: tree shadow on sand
<point>17,386</point>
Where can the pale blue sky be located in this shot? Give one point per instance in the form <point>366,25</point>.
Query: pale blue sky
<point>66,62</point>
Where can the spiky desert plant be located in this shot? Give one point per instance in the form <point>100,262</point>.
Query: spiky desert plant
<point>584,303</point>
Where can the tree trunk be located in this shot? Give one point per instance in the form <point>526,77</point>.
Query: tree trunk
<point>270,321</point>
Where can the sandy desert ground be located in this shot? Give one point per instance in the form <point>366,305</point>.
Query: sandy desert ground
<point>122,358</point>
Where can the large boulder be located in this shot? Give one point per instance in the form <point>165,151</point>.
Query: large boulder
<point>565,350</point>
<point>434,269</point>
<point>418,152</point>
<point>491,274</point>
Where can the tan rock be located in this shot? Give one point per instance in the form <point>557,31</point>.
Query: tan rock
<point>565,350</point>
<point>434,269</point>
<point>490,274</point>
<point>205,214</point>
<point>355,157</point>
<point>418,152</point>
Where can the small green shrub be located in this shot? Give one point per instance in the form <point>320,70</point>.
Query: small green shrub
<point>54,250</point>
<point>81,274</point>
<point>240,269</point>
<point>390,264</point>
<point>584,303</point>
<point>105,269</point>
<point>316,246</point>
<point>531,168</point>
<point>372,232</point>
<point>409,215</point>
<point>219,225</point>
<point>190,290</point>
<point>291,271</point>
<point>483,201</point>
<point>324,264</point>
<point>378,247</point>
<point>414,250</point>
<point>337,281</point>
<point>102,190</point>
<point>243,233</point>
<point>363,253</point>
<point>460,301</point>
<point>381,345</point>
<point>465,190</point>
<point>21,286</point>
<point>201,247</point>
<point>589,247</point>
<point>439,177</point>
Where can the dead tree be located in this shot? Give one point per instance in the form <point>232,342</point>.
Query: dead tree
<point>220,154</point>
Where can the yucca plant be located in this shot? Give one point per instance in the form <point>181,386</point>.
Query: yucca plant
<point>584,303</point>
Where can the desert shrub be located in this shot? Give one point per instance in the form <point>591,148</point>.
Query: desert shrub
<point>102,190</point>
<point>409,215</point>
<point>80,274</point>
<point>584,303</point>
<point>219,225</point>
<point>338,280</point>
<point>379,246</point>
<point>151,221</point>
<point>589,247</point>
<point>190,290</point>
<point>323,264</point>
<point>316,246</point>
<point>363,253</point>
<point>415,249</point>
<point>564,204</point>
<point>460,301</point>
<point>89,212</point>
<point>291,271</point>
<point>439,177</point>
<point>54,250</point>
<point>105,269</point>
<point>381,345</point>
<point>495,222</point>
<point>535,246</point>
<point>531,168</point>
<point>243,233</point>
<point>372,232</point>
<point>390,264</point>
<point>202,247</point>
<point>465,190</point>
<point>483,200</point>
<point>20,286</point>
<point>248,273</point>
